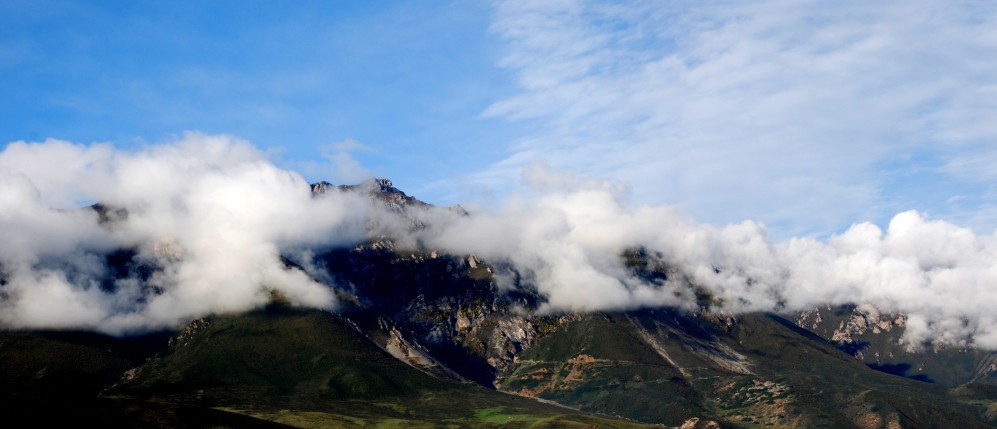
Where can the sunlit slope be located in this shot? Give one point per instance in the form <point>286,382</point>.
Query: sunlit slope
<point>761,370</point>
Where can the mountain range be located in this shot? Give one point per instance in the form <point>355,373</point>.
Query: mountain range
<point>424,338</point>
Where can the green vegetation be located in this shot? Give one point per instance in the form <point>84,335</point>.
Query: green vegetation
<point>663,366</point>
<point>815,384</point>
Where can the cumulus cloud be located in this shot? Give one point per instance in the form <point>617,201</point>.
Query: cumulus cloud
<point>210,212</point>
<point>214,218</point>
<point>769,110</point>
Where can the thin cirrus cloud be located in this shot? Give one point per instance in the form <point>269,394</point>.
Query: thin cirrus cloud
<point>805,115</point>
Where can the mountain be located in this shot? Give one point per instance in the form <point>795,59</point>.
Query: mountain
<point>423,338</point>
<point>874,337</point>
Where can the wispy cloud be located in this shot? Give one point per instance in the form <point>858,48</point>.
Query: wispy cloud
<point>784,112</point>
<point>338,163</point>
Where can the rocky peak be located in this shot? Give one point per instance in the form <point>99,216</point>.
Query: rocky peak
<point>380,185</point>
<point>320,188</point>
<point>372,185</point>
<point>458,209</point>
<point>379,189</point>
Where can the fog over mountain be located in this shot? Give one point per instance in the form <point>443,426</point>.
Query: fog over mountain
<point>215,217</point>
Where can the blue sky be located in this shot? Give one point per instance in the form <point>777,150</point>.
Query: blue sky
<point>405,80</point>
<point>807,116</point>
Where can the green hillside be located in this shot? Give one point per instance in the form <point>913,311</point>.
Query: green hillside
<point>312,369</point>
<point>600,364</point>
<point>762,371</point>
<point>56,379</point>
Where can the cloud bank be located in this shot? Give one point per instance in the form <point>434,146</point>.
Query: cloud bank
<point>215,217</point>
<point>570,236</point>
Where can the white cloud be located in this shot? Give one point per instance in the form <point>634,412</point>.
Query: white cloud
<point>215,217</point>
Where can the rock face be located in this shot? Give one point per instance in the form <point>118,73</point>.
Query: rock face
<point>863,320</point>
<point>449,305</point>
<point>379,189</point>
<point>182,338</point>
<point>697,423</point>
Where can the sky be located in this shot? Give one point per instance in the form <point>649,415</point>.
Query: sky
<point>804,116</point>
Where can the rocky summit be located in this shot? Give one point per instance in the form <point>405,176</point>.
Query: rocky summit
<point>423,338</point>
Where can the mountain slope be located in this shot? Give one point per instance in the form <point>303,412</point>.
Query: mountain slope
<point>875,339</point>
<point>310,369</point>
<point>656,366</point>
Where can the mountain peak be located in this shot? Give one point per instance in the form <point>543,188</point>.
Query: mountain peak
<point>382,184</point>
<point>378,188</point>
<point>319,188</point>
